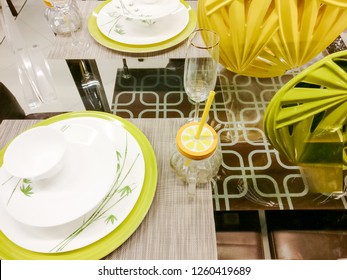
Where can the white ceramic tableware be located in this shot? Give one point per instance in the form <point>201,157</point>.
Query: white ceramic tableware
<point>36,154</point>
<point>136,32</point>
<point>145,9</point>
<point>75,190</point>
<point>89,174</point>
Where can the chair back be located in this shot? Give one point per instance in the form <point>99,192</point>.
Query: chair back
<point>9,106</point>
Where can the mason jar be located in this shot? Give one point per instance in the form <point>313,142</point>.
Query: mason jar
<point>63,16</point>
<point>196,161</point>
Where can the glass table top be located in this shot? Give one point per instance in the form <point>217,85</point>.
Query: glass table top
<point>253,175</point>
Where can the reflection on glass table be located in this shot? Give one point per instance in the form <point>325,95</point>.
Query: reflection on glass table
<point>253,174</point>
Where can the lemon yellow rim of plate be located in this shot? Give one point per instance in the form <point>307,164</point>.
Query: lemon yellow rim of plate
<point>107,244</point>
<point>114,45</point>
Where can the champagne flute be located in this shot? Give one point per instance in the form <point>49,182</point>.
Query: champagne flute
<point>201,66</point>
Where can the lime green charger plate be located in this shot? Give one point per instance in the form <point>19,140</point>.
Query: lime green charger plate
<point>106,245</point>
<point>114,45</point>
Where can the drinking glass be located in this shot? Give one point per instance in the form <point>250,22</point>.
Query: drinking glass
<point>201,66</point>
<point>65,18</point>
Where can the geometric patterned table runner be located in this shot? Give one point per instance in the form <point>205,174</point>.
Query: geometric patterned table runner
<point>253,174</point>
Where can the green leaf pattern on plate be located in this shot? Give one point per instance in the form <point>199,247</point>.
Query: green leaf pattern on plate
<point>26,190</point>
<point>111,219</point>
<point>131,9</point>
<point>118,191</point>
<point>25,187</point>
<point>118,28</point>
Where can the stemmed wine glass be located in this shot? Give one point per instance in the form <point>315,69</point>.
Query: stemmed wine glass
<point>201,66</point>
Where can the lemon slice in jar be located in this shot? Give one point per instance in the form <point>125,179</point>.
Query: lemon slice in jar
<point>193,148</point>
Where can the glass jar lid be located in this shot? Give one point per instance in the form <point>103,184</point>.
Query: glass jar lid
<point>193,148</point>
<point>48,3</point>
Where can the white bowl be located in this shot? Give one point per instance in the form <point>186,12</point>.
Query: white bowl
<point>36,154</point>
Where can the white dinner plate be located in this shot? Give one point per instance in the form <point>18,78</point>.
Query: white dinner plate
<point>145,9</point>
<point>141,32</point>
<point>74,191</point>
<point>123,192</point>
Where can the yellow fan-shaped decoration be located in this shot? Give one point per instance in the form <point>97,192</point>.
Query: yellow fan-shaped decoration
<point>306,120</point>
<point>265,38</point>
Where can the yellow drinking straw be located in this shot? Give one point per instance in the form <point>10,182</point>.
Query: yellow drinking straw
<point>205,113</point>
